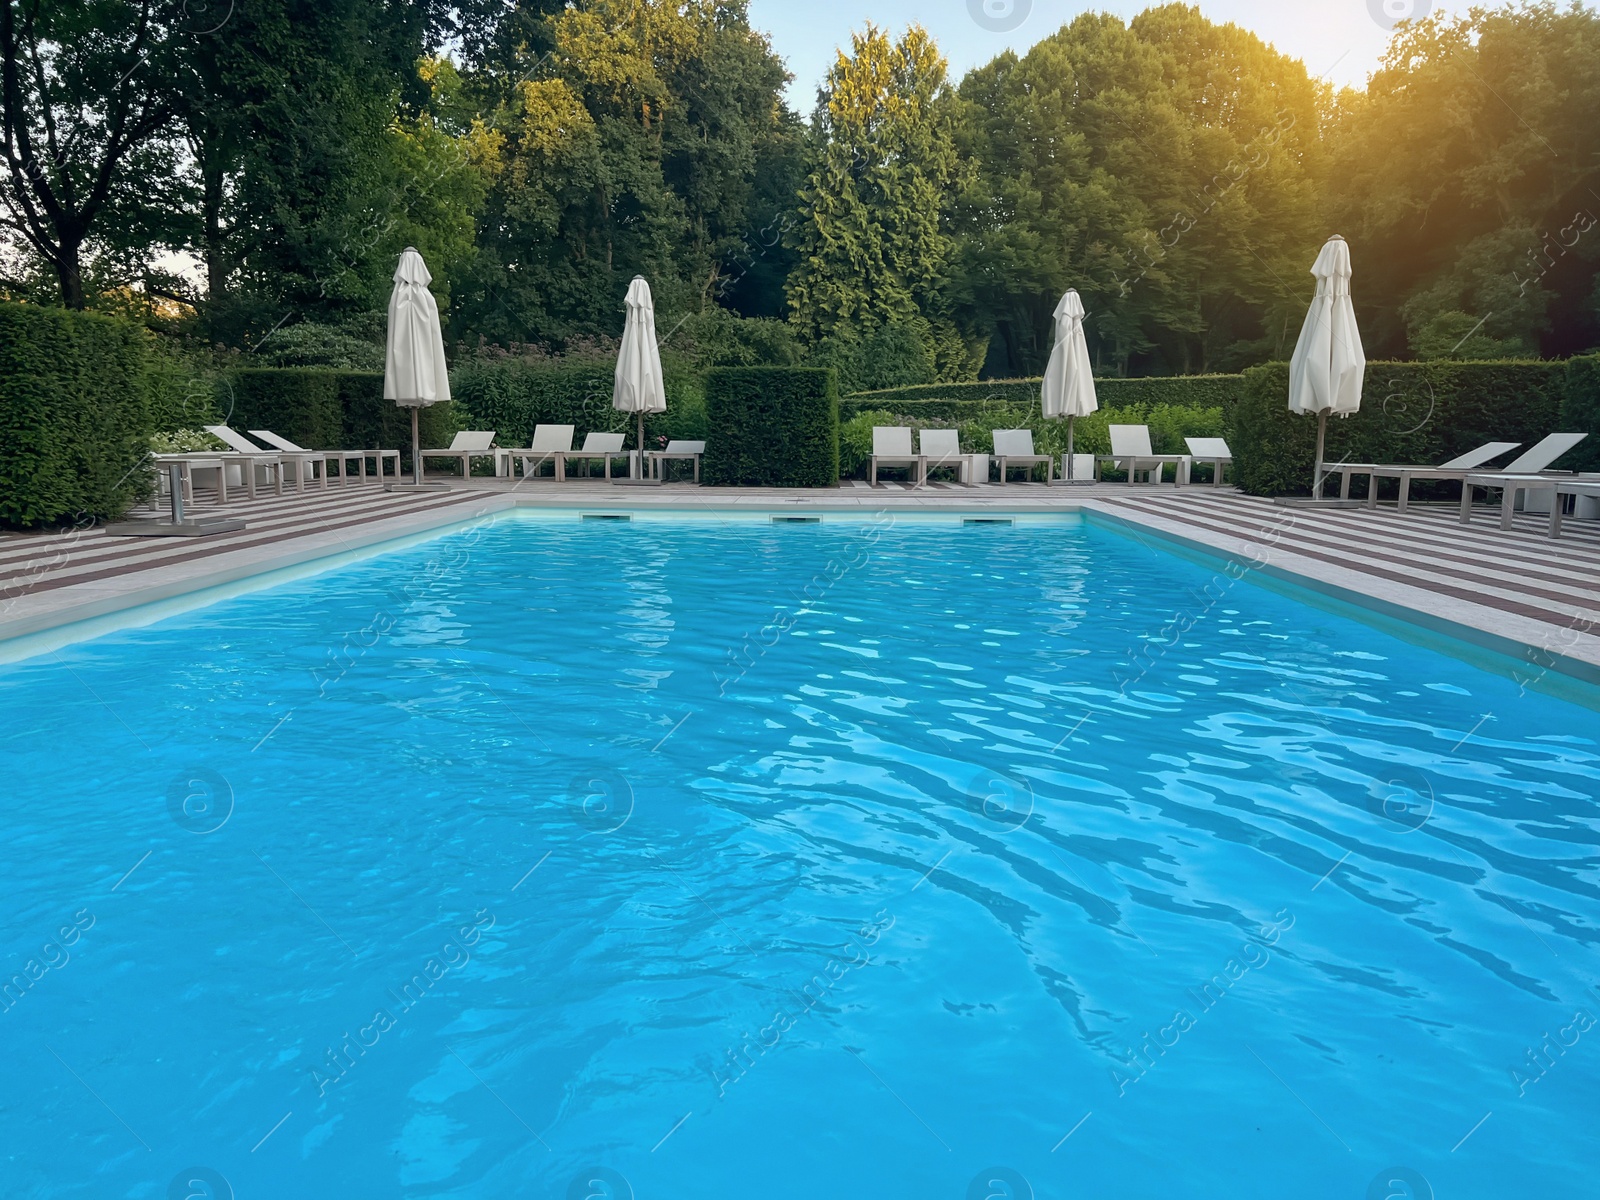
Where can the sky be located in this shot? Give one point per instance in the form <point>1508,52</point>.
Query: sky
<point>1342,39</point>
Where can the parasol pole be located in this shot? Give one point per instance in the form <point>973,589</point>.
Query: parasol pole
<point>1322,436</point>
<point>416,447</point>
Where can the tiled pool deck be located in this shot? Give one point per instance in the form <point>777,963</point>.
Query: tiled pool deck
<point>1516,592</point>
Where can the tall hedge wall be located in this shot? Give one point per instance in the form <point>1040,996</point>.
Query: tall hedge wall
<point>1423,412</point>
<point>970,401</point>
<point>1580,412</point>
<point>512,396</point>
<point>329,410</point>
<point>74,416</point>
<point>772,427</point>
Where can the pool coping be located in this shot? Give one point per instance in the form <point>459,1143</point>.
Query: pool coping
<point>37,623</point>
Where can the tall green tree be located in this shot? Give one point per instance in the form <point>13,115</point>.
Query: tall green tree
<point>84,96</point>
<point>292,119</point>
<point>1467,177</point>
<point>631,147</point>
<point>873,242</point>
<point>1166,169</point>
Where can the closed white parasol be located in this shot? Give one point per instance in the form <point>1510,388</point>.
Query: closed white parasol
<point>639,388</point>
<point>1329,366</point>
<point>1068,389</point>
<point>414,371</point>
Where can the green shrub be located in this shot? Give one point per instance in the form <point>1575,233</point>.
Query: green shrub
<point>184,441</point>
<point>772,427</point>
<point>183,391</point>
<point>1580,411</point>
<point>356,344</point>
<point>968,401</point>
<point>1410,413</point>
<point>511,396</point>
<point>74,416</point>
<point>297,403</point>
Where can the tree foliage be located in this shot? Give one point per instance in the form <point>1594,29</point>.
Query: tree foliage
<point>1180,173</point>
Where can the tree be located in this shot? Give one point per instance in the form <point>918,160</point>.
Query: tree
<point>82,99</point>
<point>1467,184</point>
<point>872,241</point>
<point>632,147</point>
<point>1166,169</point>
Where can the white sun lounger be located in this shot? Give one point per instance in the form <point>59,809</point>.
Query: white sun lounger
<point>1014,448</point>
<point>1577,488</point>
<point>601,446</point>
<point>676,451</point>
<point>548,441</point>
<point>1523,476</point>
<point>248,456</point>
<point>942,448</point>
<point>1457,468</point>
<point>299,454</point>
<point>1206,450</point>
<point>1130,451</point>
<point>464,447</point>
<point>891,447</point>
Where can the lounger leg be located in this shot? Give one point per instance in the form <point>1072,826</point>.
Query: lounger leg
<point>1466,502</point>
<point>1508,505</point>
<point>1405,492</point>
<point>1555,516</point>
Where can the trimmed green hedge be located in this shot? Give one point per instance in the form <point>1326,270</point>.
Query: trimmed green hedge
<point>74,416</point>
<point>1418,412</point>
<point>1580,411</point>
<point>328,410</point>
<point>970,401</point>
<point>772,427</point>
<point>512,396</point>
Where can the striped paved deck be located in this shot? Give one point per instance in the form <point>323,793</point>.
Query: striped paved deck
<point>1522,591</point>
<point>1519,571</point>
<point>47,580</point>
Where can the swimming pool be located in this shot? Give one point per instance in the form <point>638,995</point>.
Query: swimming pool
<point>725,858</point>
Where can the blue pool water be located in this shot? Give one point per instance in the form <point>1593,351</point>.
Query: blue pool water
<point>725,860</point>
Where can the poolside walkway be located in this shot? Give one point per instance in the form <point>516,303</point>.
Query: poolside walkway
<point>1516,591</point>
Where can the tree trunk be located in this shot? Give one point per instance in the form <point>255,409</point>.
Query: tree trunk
<point>211,202</point>
<point>69,270</point>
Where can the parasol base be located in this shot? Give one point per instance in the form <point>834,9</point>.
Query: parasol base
<point>1308,502</point>
<point>204,527</point>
